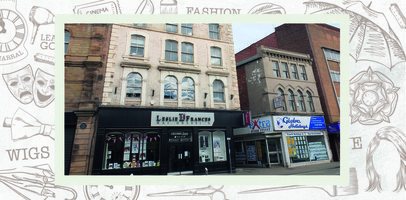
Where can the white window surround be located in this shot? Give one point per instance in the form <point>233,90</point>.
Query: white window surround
<point>179,76</point>
<point>128,45</point>
<point>179,62</point>
<point>223,61</point>
<point>144,75</point>
<point>226,94</point>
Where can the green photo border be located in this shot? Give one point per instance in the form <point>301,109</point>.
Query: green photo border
<point>342,179</point>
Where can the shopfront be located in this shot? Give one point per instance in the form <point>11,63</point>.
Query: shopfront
<point>304,139</point>
<point>145,141</point>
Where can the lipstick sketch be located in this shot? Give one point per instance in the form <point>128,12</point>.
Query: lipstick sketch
<point>35,182</point>
<point>267,8</point>
<point>23,125</point>
<point>398,139</point>
<point>373,98</point>
<point>371,37</point>
<point>209,191</point>
<point>332,191</point>
<point>397,13</point>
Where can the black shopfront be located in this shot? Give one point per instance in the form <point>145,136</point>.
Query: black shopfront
<point>145,141</point>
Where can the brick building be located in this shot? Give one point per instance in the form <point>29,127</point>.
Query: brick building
<point>322,43</point>
<point>86,48</point>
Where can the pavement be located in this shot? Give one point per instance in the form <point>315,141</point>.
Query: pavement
<point>332,168</point>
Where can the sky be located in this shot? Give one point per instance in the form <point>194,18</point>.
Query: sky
<point>246,34</point>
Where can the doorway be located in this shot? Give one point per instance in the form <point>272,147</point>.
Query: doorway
<point>275,151</point>
<point>180,159</point>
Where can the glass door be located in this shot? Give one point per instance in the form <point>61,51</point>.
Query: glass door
<point>180,158</point>
<point>275,152</point>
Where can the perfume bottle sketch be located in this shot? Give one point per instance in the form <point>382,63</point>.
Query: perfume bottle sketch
<point>40,16</point>
<point>35,182</point>
<point>145,7</point>
<point>23,126</point>
<point>169,7</point>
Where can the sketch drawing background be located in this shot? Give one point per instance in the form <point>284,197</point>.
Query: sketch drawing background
<point>36,32</point>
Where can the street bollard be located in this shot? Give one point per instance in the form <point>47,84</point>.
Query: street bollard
<point>206,170</point>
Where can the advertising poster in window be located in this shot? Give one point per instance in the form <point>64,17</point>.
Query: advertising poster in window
<point>251,154</point>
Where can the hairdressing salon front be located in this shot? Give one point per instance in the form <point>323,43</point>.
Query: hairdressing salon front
<point>145,141</point>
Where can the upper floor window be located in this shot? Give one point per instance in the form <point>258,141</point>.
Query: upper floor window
<point>303,72</point>
<point>215,57</point>
<point>187,52</point>
<point>300,100</point>
<point>218,91</point>
<point>134,85</point>
<point>67,40</point>
<point>171,88</point>
<point>332,54</point>
<point>188,89</point>
<point>285,70</point>
<point>140,25</point>
<point>282,95</point>
<point>275,67</point>
<point>335,76</point>
<point>310,101</point>
<point>214,31</point>
<point>171,50</point>
<point>172,28</point>
<point>137,45</point>
<point>187,29</point>
<point>291,99</point>
<point>294,71</point>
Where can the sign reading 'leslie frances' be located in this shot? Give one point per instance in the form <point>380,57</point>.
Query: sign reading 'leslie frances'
<point>298,123</point>
<point>159,118</point>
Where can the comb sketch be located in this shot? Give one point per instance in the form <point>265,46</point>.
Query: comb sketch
<point>42,58</point>
<point>35,182</point>
<point>23,125</point>
<point>209,191</point>
<point>373,98</point>
<point>371,37</point>
<point>332,191</point>
<point>398,139</point>
<point>93,192</point>
<point>267,8</point>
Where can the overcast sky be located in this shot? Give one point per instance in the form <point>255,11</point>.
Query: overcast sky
<point>246,34</point>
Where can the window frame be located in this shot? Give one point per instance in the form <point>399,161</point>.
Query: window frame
<point>67,40</point>
<point>171,28</point>
<point>335,76</point>
<point>175,89</point>
<point>140,87</point>
<point>185,53</point>
<point>309,99</point>
<point>295,74</point>
<point>221,92</point>
<point>187,29</point>
<point>171,51</point>
<point>212,56</point>
<point>137,46</point>
<point>281,93</point>
<point>214,31</point>
<point>303,73</point>
<point>285,69</point>
<point>276,69</point>
<point>300,100</point>
<point>291,99</point>
<point>187,89</point>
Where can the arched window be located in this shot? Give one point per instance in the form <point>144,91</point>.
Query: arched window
<point>218,91</point>
<point>188,89</point>
<point>310,101</point>
<point>215,56</point>
<point>134,85</point>
<point>291,99</point>
<point>137,45</point>
<point>300,100</point>
<point>171,50</point>
<point>171,88</point>
<point>282,95</point>
<point>67,40</point>
<point>187,52</point>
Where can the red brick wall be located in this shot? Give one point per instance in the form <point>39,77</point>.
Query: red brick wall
<point>242,88</point>
<point>268,41</point>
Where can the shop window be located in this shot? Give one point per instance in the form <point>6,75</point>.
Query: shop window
<point>187,52</point>
<point>291,99</point>
<point>303,72</point>
<point>285,70</point>
<point>171,88</point>
<point>300,100</point>
<point>172,28</point>
<point>294,71</point>
<point>218,91</point>
<point>306,148</point>
<point>212,146</point>
<point>310,101</point>
<point>134,84</point>
<point>171,50</point>
<point>137,45</point>
<point>214,31</point>
<point>131,150</point>
<point>282,95</point>
<point>67,40</point>
<point>215,56</point>
<point>187,29</point>
<point>188,89</point>
<point>275,67</point>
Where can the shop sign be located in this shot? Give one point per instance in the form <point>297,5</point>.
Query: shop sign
<point>159,118</point>
<point>261,125</point>
<point>298,123</point>
<point>303,134</point>
<point>277,102</point>
<point>180,137</point>
<point>333,128</point>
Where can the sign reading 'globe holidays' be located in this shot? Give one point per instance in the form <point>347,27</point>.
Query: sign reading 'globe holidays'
<point>298,123</point>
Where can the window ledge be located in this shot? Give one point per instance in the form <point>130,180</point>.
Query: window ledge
<point>179,69</point>
<point>129,57</point>
<point>135,64</point>
<point>217,73</point>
